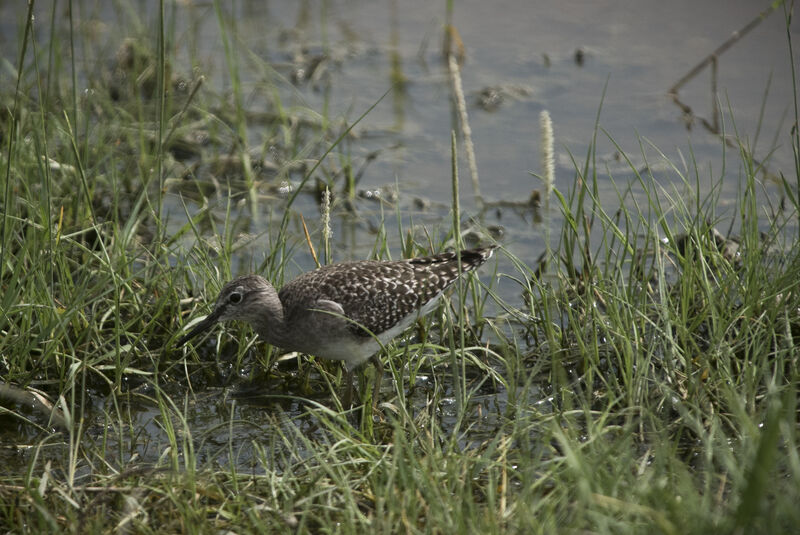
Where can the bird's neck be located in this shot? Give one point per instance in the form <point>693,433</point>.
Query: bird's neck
<point>270,322</point>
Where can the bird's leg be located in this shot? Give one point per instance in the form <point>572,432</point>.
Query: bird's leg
<point>347,402</point>
<point>376,387</point>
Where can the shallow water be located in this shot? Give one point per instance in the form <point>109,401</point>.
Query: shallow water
<point>632,53</point>
<point>526,55</point>
<point>636,50</point>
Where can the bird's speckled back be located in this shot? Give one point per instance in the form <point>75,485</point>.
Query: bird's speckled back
<point>377,295</point>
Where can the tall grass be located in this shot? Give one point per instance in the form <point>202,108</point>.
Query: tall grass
<point>648,383</point>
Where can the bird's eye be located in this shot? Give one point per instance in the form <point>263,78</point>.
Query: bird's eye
<point>235,298</point>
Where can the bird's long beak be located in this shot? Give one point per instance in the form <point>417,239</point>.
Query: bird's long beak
<point>204,325</point>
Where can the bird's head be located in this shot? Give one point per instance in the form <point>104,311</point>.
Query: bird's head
<point>241,299</point>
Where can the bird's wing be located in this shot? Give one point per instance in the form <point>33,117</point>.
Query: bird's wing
<point>376,296</point>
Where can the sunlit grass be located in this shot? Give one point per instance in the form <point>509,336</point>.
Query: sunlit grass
<point>646,380</point>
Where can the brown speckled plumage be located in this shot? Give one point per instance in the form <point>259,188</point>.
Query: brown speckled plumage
<point>337,311</point>
<point>374,294</point>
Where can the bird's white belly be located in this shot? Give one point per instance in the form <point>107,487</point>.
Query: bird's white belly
<point>355,350</point>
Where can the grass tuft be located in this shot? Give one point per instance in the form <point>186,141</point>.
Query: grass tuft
<point>645,381</point>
